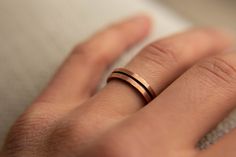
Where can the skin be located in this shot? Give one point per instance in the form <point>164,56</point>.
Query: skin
<point>193,75</point>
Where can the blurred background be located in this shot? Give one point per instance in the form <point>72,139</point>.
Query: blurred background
<point>36,36</point>
<point>221,13</point>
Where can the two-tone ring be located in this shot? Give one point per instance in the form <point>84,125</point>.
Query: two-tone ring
<point>136,81</point>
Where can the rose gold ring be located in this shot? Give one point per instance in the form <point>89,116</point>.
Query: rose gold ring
<point>135,81</point>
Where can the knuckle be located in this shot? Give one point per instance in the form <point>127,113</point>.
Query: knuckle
<point>75,132</point>
<point>26,133</point>
<point>17,137</point>
<point>84,52</point>
<point>81,51</point>
<point>60,140</point>
<point>218,69</point>
<point>101,59</point>
<point>66,134</point>
<point>62,131</point>
<point>160,54</point>
<point>26,124</point>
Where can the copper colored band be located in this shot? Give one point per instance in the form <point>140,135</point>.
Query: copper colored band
<point>134,80</point>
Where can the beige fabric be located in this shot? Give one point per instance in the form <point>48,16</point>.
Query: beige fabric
<point>35,37</point>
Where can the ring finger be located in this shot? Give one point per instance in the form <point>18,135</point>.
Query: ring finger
<point>160,64</point>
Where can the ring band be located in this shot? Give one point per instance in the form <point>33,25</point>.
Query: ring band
<point>135,81</point>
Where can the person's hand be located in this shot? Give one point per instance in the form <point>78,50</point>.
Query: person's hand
<point>194,78</point>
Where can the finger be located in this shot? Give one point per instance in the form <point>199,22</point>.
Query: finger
<point>194,103</point>
<point>224,147</point>
<point>159,64</point>
<point>79,75</point>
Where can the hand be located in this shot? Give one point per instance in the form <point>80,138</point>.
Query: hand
<point>194,78</point>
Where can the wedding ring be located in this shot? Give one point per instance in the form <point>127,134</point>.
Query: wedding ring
<point>136,81</point>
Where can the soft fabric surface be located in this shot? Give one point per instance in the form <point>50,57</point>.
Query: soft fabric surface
<point>35,37</point>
